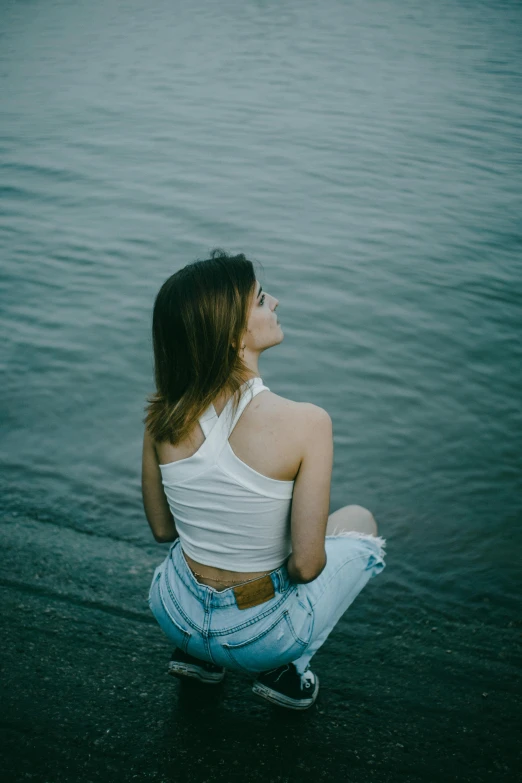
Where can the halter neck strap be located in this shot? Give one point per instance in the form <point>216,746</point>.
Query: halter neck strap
<point>219,428</point>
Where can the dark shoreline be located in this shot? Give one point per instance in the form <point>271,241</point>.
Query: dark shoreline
<point>85,694</point>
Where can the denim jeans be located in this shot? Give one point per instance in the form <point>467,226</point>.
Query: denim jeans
<point>291,626</point>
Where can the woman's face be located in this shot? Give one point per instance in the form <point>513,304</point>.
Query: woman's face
<point>263,328</point>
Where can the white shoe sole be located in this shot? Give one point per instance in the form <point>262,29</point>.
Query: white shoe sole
<point>285,701</point>
<point>194,672</point>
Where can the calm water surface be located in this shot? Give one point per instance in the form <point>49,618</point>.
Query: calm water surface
<point>369,157</point>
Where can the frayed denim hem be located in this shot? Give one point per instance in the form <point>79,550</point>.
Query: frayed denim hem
<point>375,541</point>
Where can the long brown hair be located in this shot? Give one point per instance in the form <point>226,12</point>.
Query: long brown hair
<point>199,318</point>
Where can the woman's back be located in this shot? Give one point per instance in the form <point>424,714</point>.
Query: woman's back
<point>268,437</point>
<point>229,514</point>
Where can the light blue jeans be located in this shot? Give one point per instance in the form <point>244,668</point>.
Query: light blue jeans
<point>291,626</point>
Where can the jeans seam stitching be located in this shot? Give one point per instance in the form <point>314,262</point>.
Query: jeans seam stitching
<point>252,620</point>
<point>334,574</point>
<point>186,634</point>
<point>180,608</point>
<point>260,635</point>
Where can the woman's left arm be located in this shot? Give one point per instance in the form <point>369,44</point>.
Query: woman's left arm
<point>155,502</point>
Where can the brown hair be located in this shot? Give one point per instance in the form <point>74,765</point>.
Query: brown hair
<point>200,316</point>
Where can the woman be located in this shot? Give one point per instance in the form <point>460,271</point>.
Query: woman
<point>239,479</point>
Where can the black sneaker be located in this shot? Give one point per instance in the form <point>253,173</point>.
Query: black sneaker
<point>183,665</point>
<point>287,688</point>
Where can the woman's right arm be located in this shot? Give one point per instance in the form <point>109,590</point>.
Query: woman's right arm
<point>311,496</point>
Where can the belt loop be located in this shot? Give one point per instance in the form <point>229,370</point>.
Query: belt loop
<point>281,579</point>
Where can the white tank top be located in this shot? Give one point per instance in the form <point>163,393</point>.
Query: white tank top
<point>226,513</point>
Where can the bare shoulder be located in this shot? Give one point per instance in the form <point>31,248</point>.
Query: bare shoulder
<point>274,434</point>
<point>299,417</point>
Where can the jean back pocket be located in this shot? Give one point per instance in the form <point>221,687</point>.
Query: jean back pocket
<point>277,643</point>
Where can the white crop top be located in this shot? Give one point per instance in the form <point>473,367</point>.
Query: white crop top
<point>226,513</point>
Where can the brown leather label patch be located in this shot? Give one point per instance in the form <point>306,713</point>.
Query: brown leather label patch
<point>254,593</point>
